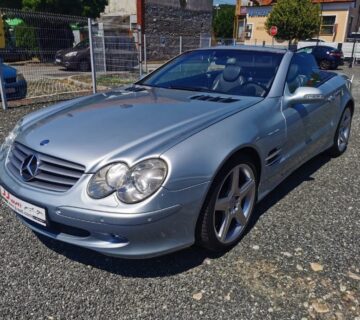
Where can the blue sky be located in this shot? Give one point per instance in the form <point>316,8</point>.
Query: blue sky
<point>224,1</point>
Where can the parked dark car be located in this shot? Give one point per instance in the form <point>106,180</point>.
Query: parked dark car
<point>326,57</point>
<point>76,58</point>
<point>14,83</point>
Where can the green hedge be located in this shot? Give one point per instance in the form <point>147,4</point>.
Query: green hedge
<point>25,37</point>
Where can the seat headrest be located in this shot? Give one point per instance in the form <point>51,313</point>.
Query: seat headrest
<point>231,61</point>
<point>231,72</point>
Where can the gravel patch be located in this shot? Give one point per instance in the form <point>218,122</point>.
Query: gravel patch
<point>300,260</point>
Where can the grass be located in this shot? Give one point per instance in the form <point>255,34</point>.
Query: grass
<point>108,80</point>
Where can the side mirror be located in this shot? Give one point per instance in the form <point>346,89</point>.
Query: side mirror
<point>305,95</point>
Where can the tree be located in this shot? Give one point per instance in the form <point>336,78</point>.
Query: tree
<point>25,37</point>
<point>86,8</point>
<point>223,22</point>
<point>295,19</point>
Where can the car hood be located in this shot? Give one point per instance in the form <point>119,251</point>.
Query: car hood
<point>124,126</point>
<point>62,53</point>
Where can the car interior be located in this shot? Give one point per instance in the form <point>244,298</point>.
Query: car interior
<point>228,72</point>
<point>304,72</point>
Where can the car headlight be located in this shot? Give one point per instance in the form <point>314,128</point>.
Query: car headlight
<point>19,77</point>
<point>132,185</point>
<point>71,54</point>
<point>9,140</point>
<point>107,180</point>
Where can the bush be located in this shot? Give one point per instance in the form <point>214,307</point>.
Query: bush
<point>25,37</point>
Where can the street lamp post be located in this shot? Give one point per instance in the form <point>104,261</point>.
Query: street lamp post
<point>217,8</point>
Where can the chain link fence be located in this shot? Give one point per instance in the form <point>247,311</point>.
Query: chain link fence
<point>116,52</point>
<point>47,57</point>
<point>30,46</point>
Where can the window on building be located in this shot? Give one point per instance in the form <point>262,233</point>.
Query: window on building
<point>241,29</point>
<point>248,31</point>
<point>327,25</point>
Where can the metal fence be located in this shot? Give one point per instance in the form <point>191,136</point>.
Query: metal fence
<point>116,55</point>
<point>29,47</point>
<point>50,57</point>
<point>47,57</point>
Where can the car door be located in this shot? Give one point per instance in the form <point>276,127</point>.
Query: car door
<point>306,123</point>
<point>318,115</point>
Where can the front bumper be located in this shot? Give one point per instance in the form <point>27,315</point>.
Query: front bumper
<point>69,63</point>
<point>163,224</point>
<point>16,90</point>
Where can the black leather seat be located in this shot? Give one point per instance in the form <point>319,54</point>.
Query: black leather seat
<point>295,78</point>
<point>229,79</point>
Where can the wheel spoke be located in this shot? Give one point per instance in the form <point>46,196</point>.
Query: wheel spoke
<point>343,136</point>
<point>240,217</point>
<point>246,188</point>
<point>235,181</point>
<point>222,204</point>
<point>225,226</point>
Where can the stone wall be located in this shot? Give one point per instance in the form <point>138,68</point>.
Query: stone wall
<point>166,21</point>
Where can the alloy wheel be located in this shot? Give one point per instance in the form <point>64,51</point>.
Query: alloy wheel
<point>344,130</point>
<point>234,203</point>
<point>324,64</point>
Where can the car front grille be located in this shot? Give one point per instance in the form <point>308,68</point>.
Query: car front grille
<point>53,174</point>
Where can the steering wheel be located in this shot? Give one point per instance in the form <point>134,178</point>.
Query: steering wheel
<point>259,85</point>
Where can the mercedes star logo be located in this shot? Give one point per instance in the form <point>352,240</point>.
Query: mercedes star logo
<point>30,167</point>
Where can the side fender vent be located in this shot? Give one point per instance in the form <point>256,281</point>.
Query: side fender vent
<point>273,157</point>
<point>214,99</point>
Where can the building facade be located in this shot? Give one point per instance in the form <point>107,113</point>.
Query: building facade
<point>340,18</point>
<point>171,17</point>
<point>162,22</point>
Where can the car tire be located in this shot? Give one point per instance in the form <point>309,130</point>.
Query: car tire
<point>84,66</point>
<point>342,135</point>
<point>229,205</point>
<point>325,64</point>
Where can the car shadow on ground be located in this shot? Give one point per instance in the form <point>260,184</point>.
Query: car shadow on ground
<point>187,259</point>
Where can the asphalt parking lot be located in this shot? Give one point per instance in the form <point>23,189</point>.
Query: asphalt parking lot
<point>300,260</point>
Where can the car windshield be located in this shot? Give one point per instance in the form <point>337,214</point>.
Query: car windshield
<point>233,71</point>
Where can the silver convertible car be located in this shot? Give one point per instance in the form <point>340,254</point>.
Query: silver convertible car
<point>180,157</point>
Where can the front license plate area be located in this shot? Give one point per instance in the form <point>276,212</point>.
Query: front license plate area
<point>10,90</point>
<point>23,208</point>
